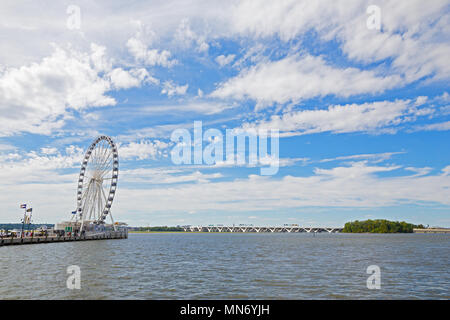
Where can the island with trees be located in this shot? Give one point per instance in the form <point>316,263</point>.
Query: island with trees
<point>379,226</point>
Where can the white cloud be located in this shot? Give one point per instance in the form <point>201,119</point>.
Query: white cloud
<point>38,98</point>
<point>412,36</point>
<point>373,157</point>
<point>26,30</point>
<point>224,60</point>
<point>158,131</point>
<point>39,167</point>
<point>171,89</point>
<point>412,32</point>
<point>143,149</point>
<point>49,151</point>
<point>7,147</point>
<point>140,47</point>
<point>268,160</point>
<point>300,77</point>
<point>33,177</point>
<point>187,37</point>
<point>358,186</point>
<point>45,181</point>
<point>420,171</point>
<point>201,107</point>
<point>446,171</point>
<point>445,110</point>
<point>374,117</point>
<point>441,126</point>
<point>122,79</point>
<point>152,176</point>
<point>150,57</point>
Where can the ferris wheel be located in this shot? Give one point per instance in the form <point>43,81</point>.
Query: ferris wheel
<point>97,182</point>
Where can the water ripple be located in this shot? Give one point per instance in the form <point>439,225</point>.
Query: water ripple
<point>231,266</point>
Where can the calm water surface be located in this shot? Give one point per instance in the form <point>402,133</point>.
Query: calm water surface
<point>231,266</point>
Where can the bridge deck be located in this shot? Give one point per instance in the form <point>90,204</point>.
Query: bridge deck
<point>260,229</point>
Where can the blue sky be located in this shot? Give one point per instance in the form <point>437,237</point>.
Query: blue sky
<point>363,112</point>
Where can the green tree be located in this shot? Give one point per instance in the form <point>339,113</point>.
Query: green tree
<point>379,226</point>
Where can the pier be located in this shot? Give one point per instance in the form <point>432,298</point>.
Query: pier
<point>289,229</point>
<point>7,241</point>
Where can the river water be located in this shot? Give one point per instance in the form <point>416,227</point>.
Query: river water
<point>231,266</point>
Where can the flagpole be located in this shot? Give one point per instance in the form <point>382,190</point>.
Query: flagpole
<point>29,221</point>
<point>23,222</point>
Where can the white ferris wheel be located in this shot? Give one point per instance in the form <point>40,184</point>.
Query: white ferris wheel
<point>97,182</point>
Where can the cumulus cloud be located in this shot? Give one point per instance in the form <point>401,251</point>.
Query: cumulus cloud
<point>122,79</point>
<point>35,98</point>
<point>38,98</point>
<point>150,57</point>
<point>300,77</point>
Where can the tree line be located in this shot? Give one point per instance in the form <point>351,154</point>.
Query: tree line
<point>32,226</point>
<point>159,229</point>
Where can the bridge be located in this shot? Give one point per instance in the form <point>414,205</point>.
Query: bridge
<point>289,229</point>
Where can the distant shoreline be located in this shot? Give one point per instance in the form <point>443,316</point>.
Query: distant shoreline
<point>156,231</point>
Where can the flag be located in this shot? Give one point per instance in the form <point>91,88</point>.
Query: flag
<point>23,206</point>
<point>30,210</point>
